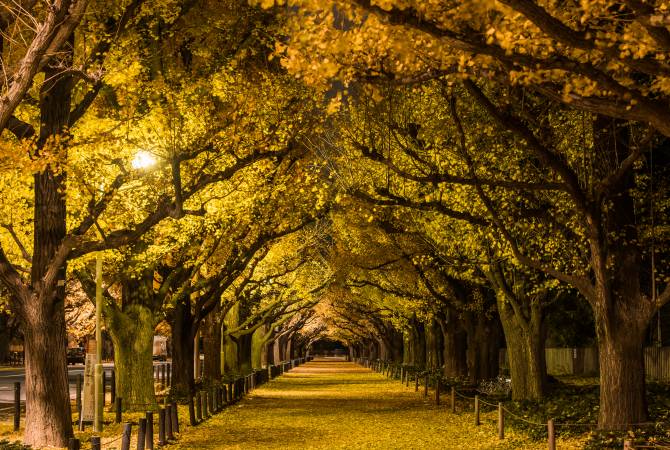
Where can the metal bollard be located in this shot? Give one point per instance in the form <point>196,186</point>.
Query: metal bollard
<point>198,406</point>
<point>125,438</point>
<point>95,442</point>
<point>73,444</point>
<point>104,386</point>
<point>149,430</point>
<point>118,409</point>
<point>191,411</point>
<point>477,421</point>
<point>141,433</point>
<point>175,418</point>
<point>161,427</point>
<point>78,391</point>
<point>453,400</point>
<point>112,387</point>
<point>17,406</point>
<point>168,423</point>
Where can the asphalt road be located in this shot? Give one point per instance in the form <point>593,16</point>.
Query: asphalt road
<point>10,376</point>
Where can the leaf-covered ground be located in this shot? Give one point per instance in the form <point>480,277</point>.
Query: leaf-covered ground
<point>331,405</point>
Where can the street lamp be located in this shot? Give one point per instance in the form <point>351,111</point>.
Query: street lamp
<point>98,390</point>
<point>142,160</point>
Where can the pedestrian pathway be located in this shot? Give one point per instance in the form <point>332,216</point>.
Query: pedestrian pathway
<point>328,404</point>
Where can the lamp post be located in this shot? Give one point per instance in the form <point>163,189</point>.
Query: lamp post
<point>99,392</point>
<point>143,160</point>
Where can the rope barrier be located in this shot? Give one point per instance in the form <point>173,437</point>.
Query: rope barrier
<point>464,396</point>
<point>106,444</point>
<point>530,422</point>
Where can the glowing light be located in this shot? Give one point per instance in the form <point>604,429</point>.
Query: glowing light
<point>143,160</point>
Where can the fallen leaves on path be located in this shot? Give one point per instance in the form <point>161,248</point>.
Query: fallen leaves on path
<point>339,405</point>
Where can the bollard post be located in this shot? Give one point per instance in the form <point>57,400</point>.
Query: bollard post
<point>453,399</point>
<point>437,392</point>
<point>215,405</point>
<point>118,407</point>
<point>104,386</point>
<point>425,388</point>
<point>161,427</point>
<point>149,430</point>
<point>191,411</point>
<point>221,398</point>
<point>168,423</point>
<point>141,433</point>
<point>198,406</point>
<point>112,387</point>
<point>551,433</point>
<point>224,395</point>
<point>17,406</point>
<point>501,421</point>
<point>125,438</point>
<point>95,442</point>
<point>230,392</point>
<point>416,382</point>
<point>78,391</point>
<point>477,422</point>
<point>73,444</point>
<point>175,418</point>
<point>205,404</point>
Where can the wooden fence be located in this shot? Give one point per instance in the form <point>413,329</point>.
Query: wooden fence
<point>584,361</point>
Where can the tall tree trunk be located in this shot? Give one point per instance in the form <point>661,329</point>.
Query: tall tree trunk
<point>433,345</point>
<point>211,342</point>
<point>244,353</point>
<point>183,334</point>
<point>48,419</point>
<point>622,378</point>
<point>48,415</point>
<point>231,361</point>
<point>483,336</point>
<point>454,348</point>
<point>525,350</point>
<point>132,331</point>
<point>258,346</point>
<point>418,337</point>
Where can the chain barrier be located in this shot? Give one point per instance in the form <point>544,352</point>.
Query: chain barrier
<point>390,370</point>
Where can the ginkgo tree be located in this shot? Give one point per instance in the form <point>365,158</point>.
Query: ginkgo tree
<point>603,63</point>
<point>76,145</point>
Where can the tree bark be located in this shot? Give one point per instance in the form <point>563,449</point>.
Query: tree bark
<point>48,414</point>
<point>132,332</point>
<point>454,353</point>
<point>525,350</point>
<point>244,353</point>
<point>48,419</point>
<point>211,339</point>
<point>183,334</point>
<point>483,351</point>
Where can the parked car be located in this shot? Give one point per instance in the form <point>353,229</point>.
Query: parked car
<point>76,355</point>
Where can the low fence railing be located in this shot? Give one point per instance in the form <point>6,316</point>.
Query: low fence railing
<point>477,403</point>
